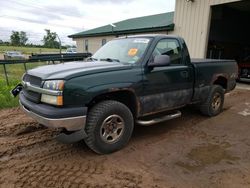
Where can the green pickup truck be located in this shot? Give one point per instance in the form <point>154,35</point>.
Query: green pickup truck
<point>135,80</point>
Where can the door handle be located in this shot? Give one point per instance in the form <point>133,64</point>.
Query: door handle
<point>184,74</point>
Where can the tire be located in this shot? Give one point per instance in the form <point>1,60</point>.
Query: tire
<point>214,103</point>
<point>109,127</point>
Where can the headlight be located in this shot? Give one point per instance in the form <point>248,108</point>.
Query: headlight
<point>53,85</point>
<point>50,99</point>
<point>56,85</point>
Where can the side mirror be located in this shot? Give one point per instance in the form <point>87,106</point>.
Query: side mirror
<point>160,61</point>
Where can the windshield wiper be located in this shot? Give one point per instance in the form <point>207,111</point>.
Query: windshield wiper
<point>110,59</point>
<point>91,59</point>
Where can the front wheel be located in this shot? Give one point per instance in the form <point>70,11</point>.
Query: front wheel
<point>109,126</point>
<point>214,103</point>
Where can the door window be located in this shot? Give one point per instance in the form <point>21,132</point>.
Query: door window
<point>104,41</point>
<point>86,45</point>
<point>169,47</point>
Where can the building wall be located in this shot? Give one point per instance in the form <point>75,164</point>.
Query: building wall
<point>192,22</point>
<point>94,43</point>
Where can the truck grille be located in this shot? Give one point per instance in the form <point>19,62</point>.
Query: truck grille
<point>33,80</point>
<point>31,95</point>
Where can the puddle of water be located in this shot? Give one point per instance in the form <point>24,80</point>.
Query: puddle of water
<point>206,155</point>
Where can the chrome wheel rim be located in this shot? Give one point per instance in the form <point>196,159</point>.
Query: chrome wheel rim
<point>112,129</point>
<point>216,103</point>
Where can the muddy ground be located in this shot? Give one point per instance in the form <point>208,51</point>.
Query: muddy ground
<point>191,151</point>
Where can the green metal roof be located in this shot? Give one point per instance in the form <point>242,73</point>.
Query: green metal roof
<point>158,22</point>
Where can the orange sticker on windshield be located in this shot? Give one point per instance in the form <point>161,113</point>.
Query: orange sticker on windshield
<point>132,51</point>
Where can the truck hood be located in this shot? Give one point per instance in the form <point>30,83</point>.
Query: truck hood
<point>74,69</point>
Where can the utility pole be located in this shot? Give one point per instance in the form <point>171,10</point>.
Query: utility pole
<point>60,43</point>
<point>112,27</point>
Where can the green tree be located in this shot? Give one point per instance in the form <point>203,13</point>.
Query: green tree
<point>15,38</point>
<point>23,38</point>
<point>49,40</point>
<point>18,38</point>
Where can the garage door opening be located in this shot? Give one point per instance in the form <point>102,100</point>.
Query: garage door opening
<point>229,36</point>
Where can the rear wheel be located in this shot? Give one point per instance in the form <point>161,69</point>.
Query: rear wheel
<point>109,126</point>
<point>214,103</point>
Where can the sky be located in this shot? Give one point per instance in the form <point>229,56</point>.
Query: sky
<point>66,17</point>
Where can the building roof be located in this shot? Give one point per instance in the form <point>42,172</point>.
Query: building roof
<point>158,22</point>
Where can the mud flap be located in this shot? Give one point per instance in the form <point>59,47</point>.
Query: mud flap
<point>71,138</point>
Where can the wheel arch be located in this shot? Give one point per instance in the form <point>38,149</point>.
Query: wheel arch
<point>222,81</point>
<point>125,96</point>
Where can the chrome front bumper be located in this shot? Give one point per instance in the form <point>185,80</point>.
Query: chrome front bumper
<point>70,124</point>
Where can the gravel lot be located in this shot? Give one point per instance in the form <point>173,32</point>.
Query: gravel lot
<point>191,151</point>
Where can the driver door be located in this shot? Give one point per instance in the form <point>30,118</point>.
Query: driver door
<point>170,86</point>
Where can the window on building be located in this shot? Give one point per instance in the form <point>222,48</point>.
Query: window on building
<point>86,45</point>
<point>104,41</point>
<point>169,47</point>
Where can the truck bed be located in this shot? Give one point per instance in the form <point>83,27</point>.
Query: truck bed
<point>208,70</point>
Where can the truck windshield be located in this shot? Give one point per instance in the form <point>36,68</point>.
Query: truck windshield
<point>126,50</point>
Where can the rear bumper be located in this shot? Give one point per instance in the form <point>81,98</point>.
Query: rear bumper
<point>72,119</point>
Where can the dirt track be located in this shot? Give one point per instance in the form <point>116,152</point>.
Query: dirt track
<point>192,151</point>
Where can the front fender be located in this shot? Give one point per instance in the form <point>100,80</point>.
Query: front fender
<point>82,96</point>
<point>93,92</point>
<point>81,90</point>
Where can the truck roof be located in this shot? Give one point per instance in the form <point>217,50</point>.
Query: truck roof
<point>151,35</point>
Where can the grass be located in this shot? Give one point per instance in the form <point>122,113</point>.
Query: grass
<point>28,50</point>
<point>15,73</point>
<point>6,100</point>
